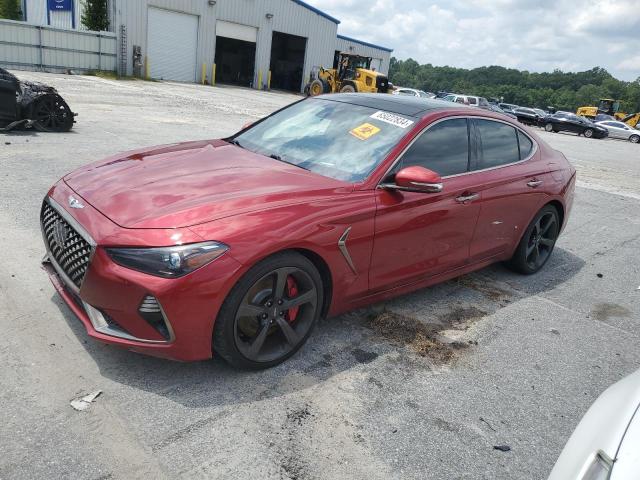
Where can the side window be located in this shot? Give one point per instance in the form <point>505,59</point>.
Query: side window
<point>526,145</point>
<point>443,148</point>
<point>472,100</point>
<point>499,144</point>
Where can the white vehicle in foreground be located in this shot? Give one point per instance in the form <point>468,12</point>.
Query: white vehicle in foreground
<point>621,130</point>
<point>606,443</point>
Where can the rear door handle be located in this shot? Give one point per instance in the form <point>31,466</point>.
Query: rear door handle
<point>534,183</point>
<point>467,198</point>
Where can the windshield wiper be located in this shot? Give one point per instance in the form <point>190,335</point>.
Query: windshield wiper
<point>235,142</point>
<point>280,159</point>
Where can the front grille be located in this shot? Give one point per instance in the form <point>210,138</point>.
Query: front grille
<point>67,247</point>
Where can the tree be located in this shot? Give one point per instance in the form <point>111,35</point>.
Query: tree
<point>11,9</point>
<point>95,15</point>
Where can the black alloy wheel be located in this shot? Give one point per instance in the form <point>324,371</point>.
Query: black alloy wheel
<point>270,313</point>
<point>52,114</point>
<point>538,242</point>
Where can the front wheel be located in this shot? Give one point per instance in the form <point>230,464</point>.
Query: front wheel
<point>548,127</point>
<point>348,89</point>
<point>52,114</point>
<point>317,87</point>
<point>588,133</point>
<point>270,312</point>
<point>634,138</point>
<point>537,243</point>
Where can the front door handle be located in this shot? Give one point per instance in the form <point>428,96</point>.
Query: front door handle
<point>470,197</point>
<point>534,183</point>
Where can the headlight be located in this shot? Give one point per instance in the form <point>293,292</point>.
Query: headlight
<point>168,262</point>
<point>599,469</point>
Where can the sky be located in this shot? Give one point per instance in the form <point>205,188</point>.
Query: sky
<point>534,35</point>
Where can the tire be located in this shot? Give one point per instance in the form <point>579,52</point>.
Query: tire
<point>251,332</point>
<point>348,88</point>
<point>588,133</point>
<point>548,127</point>
<point>317,87</point>
<point>51,113</point>
<point>540,236</point>
<point>634,138</point>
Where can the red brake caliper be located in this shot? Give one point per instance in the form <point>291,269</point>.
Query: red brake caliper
<point>292,291</point>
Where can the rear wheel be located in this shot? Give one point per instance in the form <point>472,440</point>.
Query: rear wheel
<point>548,127</point>
<point>537,243</point>
<point>634,138</point>
<point>588,133</point>
<point>270,312</point>
<point>348,89</point>
<point>52,114</point>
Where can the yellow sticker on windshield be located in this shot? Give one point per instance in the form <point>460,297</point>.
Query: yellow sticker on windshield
<point>364,131</point>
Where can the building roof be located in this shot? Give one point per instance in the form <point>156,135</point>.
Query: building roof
<point>367,44</point>
<point>400,104</point>
<point>315,10</point>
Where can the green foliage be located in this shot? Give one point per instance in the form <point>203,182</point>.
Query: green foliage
<point>562,90</point>
<point>11,9</point>
<point>95,15</point>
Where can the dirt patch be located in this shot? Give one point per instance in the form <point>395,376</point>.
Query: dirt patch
<point>604,311</point>
<point>414,334</point>
<point>460,317</point>
<point>492,292</point>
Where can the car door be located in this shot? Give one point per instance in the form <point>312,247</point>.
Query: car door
<point>621,130</point>
<point>8,102</point>
<point>513,177</point>
<point>418,235</point>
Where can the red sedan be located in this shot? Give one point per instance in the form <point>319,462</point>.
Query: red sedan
<point>239,246</point>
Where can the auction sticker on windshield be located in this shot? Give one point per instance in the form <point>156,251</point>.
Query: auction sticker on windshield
<point>364,131</point>
<point>396,120</point>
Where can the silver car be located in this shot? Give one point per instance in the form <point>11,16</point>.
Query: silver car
<point>621,130</point>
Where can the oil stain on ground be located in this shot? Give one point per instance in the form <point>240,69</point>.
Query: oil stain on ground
<point>604,311</point>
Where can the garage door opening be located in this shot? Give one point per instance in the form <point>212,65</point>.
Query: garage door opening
<point>287,61</point>
<point>235,60</point>
<point>172,44</point>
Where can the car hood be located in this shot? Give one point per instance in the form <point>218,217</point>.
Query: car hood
<point>187,184</point>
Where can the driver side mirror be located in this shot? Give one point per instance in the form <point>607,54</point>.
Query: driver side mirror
<point>416,179</point>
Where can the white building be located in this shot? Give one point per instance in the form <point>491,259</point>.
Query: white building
<point>259,43</point>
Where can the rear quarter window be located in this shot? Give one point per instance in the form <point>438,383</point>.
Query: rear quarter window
<point>499,144</point>
<point>526,145</point>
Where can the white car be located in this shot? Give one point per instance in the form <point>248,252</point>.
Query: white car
<point>468,100</point>
<point>606,443</point>
<point>412,92</point>
<point>621,130</point>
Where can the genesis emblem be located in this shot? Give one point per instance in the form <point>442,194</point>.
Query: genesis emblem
<point>60,233</point>
<point>75,203</point>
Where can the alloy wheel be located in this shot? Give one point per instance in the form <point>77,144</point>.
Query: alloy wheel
<point>541,240</point>
<point>275,314</point>
<point>51,114</point>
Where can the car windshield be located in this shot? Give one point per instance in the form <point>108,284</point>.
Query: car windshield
<point>335,139</point>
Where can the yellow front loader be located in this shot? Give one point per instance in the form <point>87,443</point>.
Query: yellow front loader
<point>353,74</point>
<point>608,106</point>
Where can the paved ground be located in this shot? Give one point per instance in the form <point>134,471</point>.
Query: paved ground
<point>354,403</point>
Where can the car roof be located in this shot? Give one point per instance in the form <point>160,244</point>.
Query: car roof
<point>403,105</point>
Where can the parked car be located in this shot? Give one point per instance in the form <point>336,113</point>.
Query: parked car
<point>621,130</point>
<point>239,246</point>
<point>468,100</point>
<point>606,443</point>
<point>528,116</point>
<point>29,104</point>
<point>497,109</point>
<point>412,92</point>
<point>541,113</point>
<point>569,122</point>
<point>508,107</point>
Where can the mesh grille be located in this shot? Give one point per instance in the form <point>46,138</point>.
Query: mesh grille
<point>68,248</point>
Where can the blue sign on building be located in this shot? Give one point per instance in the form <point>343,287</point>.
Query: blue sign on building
<point>60,5</point>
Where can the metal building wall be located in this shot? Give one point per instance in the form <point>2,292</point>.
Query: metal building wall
<point>354,46</point>
<point>288,17</point>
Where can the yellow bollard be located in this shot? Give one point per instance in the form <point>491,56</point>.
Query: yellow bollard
<point>204,74</point>
<point>213,74</point>
<point>259,79</point>
<point>269,80</point>
<point>147,68</point>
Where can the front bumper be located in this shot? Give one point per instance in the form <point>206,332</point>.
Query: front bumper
<point>108,302</point>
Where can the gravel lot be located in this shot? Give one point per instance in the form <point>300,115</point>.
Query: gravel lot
<point>358,401</point>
